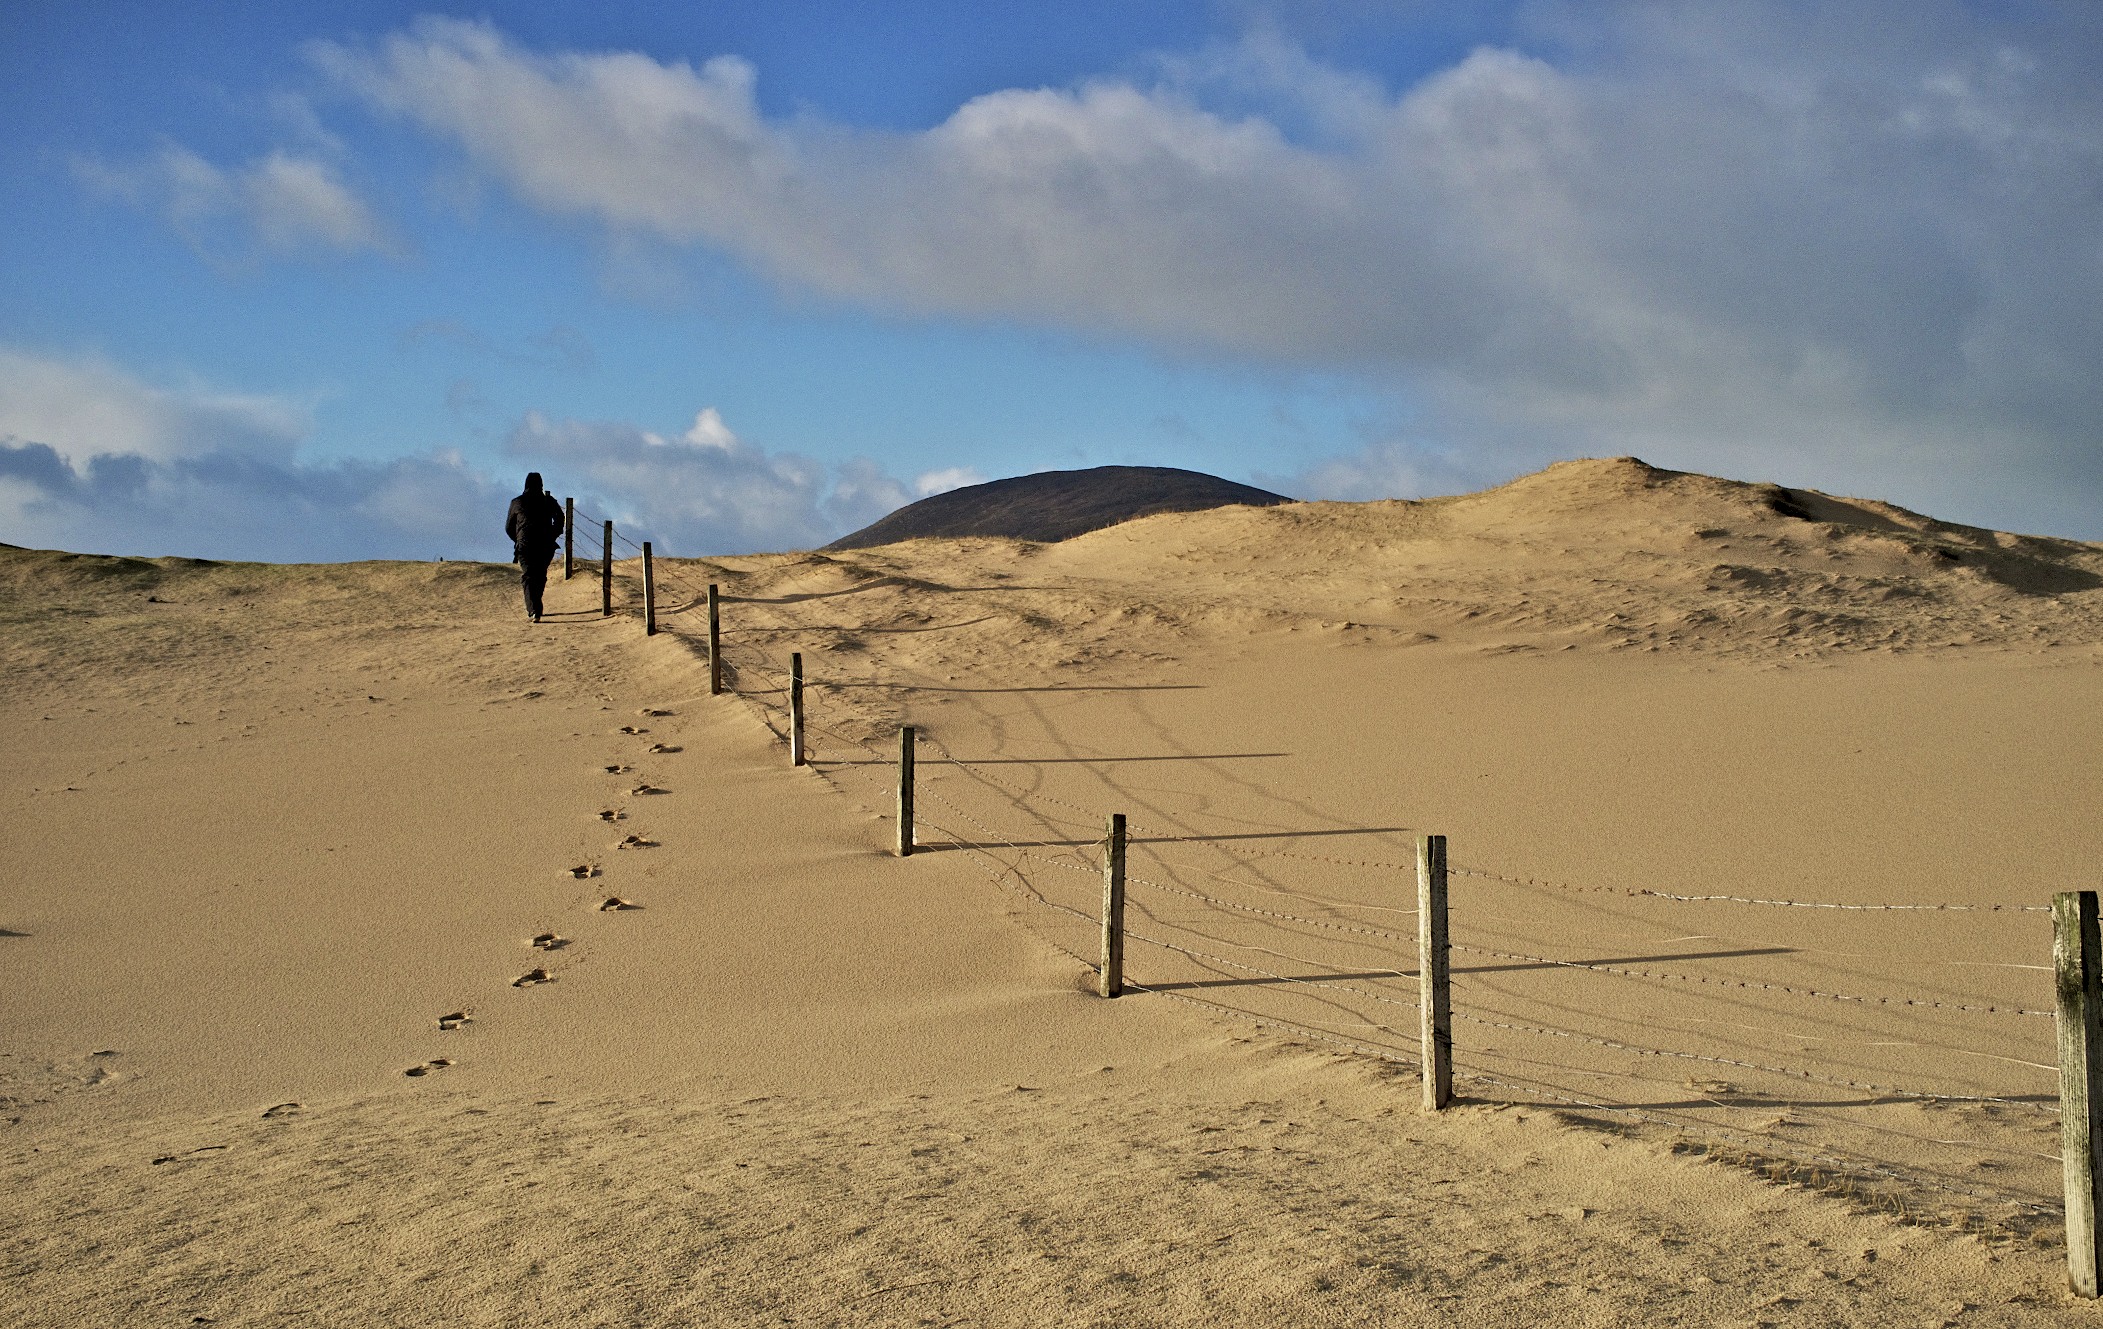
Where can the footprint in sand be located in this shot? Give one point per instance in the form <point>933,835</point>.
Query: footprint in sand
<point>618,769</point>
<point>435,1064</point>
<point>586,871</point>
<point>455,1020</point>
<point>631,729</point>
<point>613,814</point>
<point>550,941</point>
<point>616,902</point>
<point>665,747</point>
<point>532,977</point>
<point>635,842</point>
<point>648,789</point>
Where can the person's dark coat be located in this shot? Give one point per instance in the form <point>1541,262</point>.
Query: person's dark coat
<point>534,525</point>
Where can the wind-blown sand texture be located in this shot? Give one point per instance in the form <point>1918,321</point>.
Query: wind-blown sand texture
<point>286,840</point>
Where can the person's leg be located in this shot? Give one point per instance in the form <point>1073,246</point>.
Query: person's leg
<point>536,582</point>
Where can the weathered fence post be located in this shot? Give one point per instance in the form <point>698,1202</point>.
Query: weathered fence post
<point>796,708</point>
<point>1112,978</point>
<point>1434,971</point>
<point>2076,959</point>
<point>569,535</point>
<point>606,571</point>
<point>649,594</point>
<point>905,791</point>
<point>715,645</point>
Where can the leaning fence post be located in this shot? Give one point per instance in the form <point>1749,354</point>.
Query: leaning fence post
<point>715,645</point>
<point>649,594</point>
<point>1434,972</point>
<point>905,791</point>
<point>606,571</point>
<point>2076,959</point>
<point>1112,978</point>
<point>796,708</point>
<point>569,534</point>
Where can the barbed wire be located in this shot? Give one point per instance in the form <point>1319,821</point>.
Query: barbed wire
<point>1703,1131</point>
<point>1179,837</point>
<point>1745,899</point>
<point>1921,1002</point>
<point>1269,913</point>
<point>1282,978</point>
<point>1273,1022</point>
<point>1021,797</point>
<point>1000,839</point>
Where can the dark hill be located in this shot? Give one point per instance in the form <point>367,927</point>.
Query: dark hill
<point>1057,505</point>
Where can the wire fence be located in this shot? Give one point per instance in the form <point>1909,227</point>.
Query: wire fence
<point>1818,1071</point>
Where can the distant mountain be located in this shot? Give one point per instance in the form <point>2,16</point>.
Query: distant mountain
<point>1057,505</point>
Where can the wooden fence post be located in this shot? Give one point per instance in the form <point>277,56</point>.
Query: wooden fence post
<point>905,791</point>
<point>606,571</point>
<point>1112,978</point>
<point>1434,971</point>
<point>2076,960</point>
<point>715,645</point>
<point>796,708</point>
<point>649,594</point>
<point>569,535</point>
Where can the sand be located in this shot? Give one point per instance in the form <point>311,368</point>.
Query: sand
<point>273,823</point>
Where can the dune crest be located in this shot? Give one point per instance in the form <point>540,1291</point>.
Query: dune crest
<point>1593,556</point>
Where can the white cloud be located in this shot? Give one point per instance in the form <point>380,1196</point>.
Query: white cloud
<point>708,491</point>
<point>709,431</point>
<point>948,478</point>
<point>94,459</point>
<point>297,200</point>
<point>1857,251</point>
<point>85,407</point>
<point>1392,469</point>
<point>226,505</point>
<point>280,203</point>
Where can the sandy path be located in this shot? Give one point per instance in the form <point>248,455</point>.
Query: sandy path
<point>308,876</point>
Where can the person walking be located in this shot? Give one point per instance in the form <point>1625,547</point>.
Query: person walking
<point>535,527</point>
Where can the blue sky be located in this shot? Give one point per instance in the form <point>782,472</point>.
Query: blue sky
<point>305,281</point>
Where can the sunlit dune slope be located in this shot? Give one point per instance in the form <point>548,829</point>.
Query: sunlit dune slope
<point>1590,556</point>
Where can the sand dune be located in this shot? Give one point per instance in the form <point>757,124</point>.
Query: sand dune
<point>298,841</point>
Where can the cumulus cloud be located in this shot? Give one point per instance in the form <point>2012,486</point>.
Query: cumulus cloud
<point>1857,250</point>
<point>706,491</point>
<point>709,431</point>
<point>85,407</point>
<point>230,505</point>
<point>1393,469</point>
<point>280,203</point>
<point>947,478</point>
<point>92,458</point>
